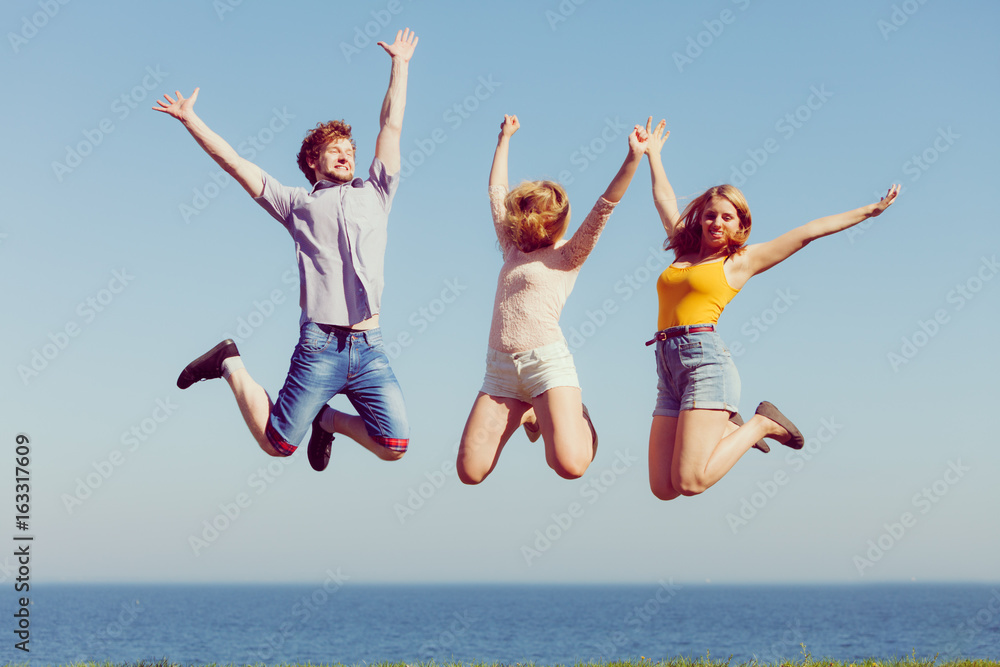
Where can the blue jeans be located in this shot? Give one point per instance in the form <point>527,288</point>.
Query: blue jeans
<point>328,361</point>
<point>695,371</point>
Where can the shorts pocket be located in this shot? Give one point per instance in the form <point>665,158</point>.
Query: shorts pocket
<point>690,354</point>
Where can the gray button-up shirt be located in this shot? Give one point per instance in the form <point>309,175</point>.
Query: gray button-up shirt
<point>340,238</point>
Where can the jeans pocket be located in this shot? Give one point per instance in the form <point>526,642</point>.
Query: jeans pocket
<point>690,354</point>
<point>312,338</point>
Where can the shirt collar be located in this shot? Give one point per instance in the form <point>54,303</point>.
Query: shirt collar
<point>324,184</point>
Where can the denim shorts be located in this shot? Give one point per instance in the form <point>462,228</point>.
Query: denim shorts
<point>328,361</point>
<point>695,371</point>
<point>524,375</point>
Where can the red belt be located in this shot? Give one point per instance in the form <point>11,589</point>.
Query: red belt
<point>679,331</point>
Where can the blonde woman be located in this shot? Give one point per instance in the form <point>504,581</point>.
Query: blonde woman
<point>697,435</point>
<point>530,376</point>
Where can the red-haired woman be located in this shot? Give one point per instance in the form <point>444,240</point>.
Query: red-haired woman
<point>530,376</point>
<point>697,435</point>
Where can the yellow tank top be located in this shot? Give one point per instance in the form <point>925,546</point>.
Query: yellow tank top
<point>692,295</point>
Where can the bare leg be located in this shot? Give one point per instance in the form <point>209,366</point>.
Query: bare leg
<point>569,443</point>
<point>490,424</point>
<point>707,445</point>
<point>255,406</point>
<point>661,457</point>
<point>353,426</point>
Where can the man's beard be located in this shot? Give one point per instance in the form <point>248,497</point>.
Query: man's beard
<point>339,177</point>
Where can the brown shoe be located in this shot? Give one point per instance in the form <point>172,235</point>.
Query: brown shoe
<point>796,441</point>
<point>532,430</point>
<point>760,444</point>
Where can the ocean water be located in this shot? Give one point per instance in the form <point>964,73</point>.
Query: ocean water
<point>545,625</point>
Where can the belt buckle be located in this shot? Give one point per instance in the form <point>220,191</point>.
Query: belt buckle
<point>659,335</point>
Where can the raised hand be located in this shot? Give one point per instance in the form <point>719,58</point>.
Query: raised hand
<point>180,108</point>
<point>638,141</point>
<point>657,137</point>
<point>885,202</point>
<point>404,45</point>
<point>509,126</point>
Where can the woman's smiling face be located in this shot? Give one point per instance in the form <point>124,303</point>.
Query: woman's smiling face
<point>719,221</point>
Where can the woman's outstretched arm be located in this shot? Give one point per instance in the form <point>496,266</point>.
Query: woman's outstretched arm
<point>498,172</point>
<point>637,142</point>
<point>762,256</point>
<point>663,193</point>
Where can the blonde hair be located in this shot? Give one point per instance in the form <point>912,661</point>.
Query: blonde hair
<point>537,214</point>
<point>688,237</point>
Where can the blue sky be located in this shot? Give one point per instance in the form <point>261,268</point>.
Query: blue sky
<point>124,255</point>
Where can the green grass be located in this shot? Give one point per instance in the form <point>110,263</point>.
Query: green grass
<point>805,661</point>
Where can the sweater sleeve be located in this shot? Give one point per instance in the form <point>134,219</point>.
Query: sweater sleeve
<point>497,195</point>
<point>578,248</point>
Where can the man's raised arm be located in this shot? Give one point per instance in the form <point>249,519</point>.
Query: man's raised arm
<point>391,119</point>
<point>245,172</point>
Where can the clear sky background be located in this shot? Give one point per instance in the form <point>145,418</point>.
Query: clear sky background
<point>123,256</point>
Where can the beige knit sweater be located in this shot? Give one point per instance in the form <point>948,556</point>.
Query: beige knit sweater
<point>533,287</point>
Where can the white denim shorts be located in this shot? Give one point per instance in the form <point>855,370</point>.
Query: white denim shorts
<point>524,375</point>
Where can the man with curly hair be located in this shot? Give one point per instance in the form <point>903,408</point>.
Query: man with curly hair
<point>339,229</point>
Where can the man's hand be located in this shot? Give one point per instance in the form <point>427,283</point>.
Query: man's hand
<point>391,116</point>
<point>245,172</point>
<point>403,47</point>
<point>182,108</point>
